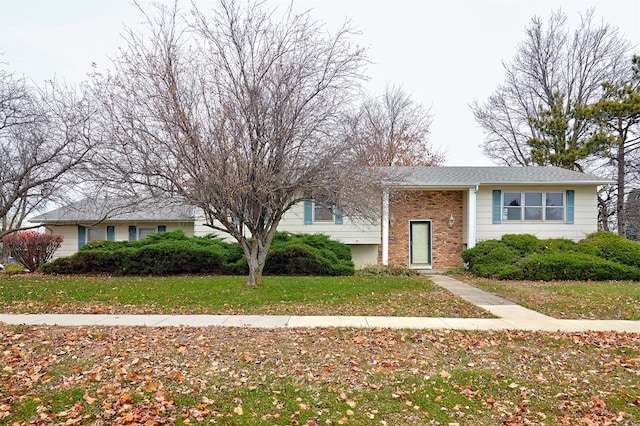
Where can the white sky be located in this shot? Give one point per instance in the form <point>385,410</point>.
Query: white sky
<point>444,53</point>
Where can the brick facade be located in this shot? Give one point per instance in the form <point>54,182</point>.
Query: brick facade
<point>436,207</point>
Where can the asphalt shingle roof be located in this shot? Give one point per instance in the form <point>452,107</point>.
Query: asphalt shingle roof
<point>111,210</point>
<point>471,176</point>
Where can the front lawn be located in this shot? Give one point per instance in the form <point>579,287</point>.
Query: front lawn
<point>605,300</point>
<point>240,376</point>
<point>370,295</point>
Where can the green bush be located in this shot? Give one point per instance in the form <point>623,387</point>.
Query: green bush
<point>13,268</point>
<point>491,252</point>
<point>388,271</point>
<point>615,248</point>
<point>574,266</point>
<point>104,245</point>
<point>308,254</point>
<point>499,271</point>
<point>601,256</point>
<point>87,262</point>
<point>171,253</point>
<point>524,244</point>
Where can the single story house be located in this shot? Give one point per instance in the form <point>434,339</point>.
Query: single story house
<point>426,220</point>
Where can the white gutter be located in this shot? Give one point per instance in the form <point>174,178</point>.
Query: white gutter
<point>385,227</point>
<point>471,217</point>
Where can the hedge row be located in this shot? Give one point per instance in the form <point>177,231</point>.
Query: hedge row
<point>600,256</point>
<point>171,253</point>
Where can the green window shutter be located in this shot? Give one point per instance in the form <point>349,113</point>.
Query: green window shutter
<point>133,233</point>
<point>111,233</point>
<point>570,196</point>
<point>162,228</point>
<point>497,204</point>
<point>308,212</point>
<point>338,217</point>
<point>82,236</point>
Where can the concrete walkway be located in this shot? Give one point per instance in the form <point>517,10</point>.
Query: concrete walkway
<point>511,317</point>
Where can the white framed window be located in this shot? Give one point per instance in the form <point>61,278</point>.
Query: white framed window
<point>317,210</point>
<point>145,232</point>
<point>532,206</point>
<point>96,233</point>
<point>141,232</point>
<point>322,213</point>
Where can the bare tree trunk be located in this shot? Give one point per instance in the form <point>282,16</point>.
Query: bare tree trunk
<point>256,255</point>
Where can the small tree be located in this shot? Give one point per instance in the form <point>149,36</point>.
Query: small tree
<point>31,248</point>
<point>239,114</point>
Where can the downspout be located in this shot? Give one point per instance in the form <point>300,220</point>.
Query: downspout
<point>471,217</point>
<point>385,227</point>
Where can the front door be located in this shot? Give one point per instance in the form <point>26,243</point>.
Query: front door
<point>420,244</point>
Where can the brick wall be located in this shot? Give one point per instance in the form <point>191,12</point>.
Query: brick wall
<point>434,206</point>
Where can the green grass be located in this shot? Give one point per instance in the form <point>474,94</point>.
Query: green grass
<point>239,376</point>
<point>359,295</point>
<point>606,300</point>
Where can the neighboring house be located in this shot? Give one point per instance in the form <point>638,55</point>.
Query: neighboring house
<point>425,222</point>
<point>114,220</point>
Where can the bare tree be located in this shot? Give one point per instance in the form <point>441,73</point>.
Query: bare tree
<point>392,130</point>
<point>45,137</point>
<point>554,70</point>
<point>237,113</point>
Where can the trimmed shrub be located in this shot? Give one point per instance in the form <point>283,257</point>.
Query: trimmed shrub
<point>524,244</point>
<point>574,266</point>
<point>86,262</point>
<point>500,271</point>
<point>104,245</point>
<point>491,259</point>
<point>388,271</point>
<point>491,252</point>
<point>176,257</point>
<point>614,247</point>
<point>12,269</point>
<point>171,253</point>
<point>159,254</point>
<point>602,256</point>
<point>296,259</point>
<point>308,254</point>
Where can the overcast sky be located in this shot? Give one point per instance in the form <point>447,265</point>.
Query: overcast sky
<point>444,53</point>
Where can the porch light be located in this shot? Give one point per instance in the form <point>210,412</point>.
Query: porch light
<point>451,220</point>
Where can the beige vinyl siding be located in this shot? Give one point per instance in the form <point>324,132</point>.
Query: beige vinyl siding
<point>70,239</point>
<point>350,232</point>
<point>585,215</point>
<point>70,233</point>
<point>364,254</point>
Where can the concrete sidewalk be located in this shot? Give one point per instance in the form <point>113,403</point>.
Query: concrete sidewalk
<point>511,317</point>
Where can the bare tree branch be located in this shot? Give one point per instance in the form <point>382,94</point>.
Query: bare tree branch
<point>46,135</point>
<point>393,130</point>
